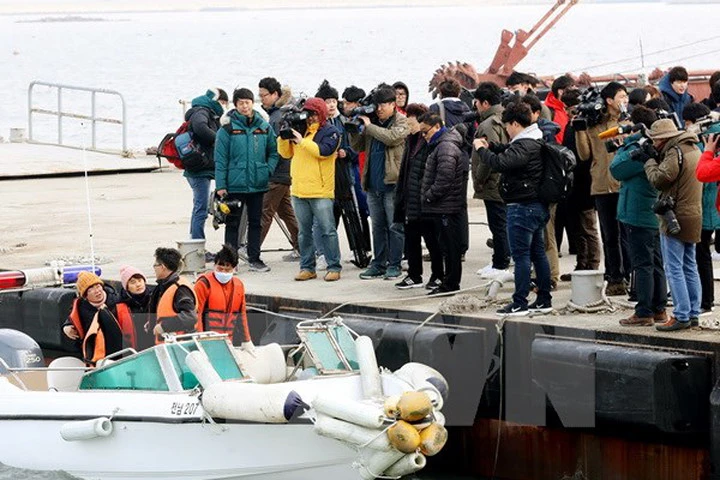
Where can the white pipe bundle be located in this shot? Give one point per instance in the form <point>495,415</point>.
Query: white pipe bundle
<point>363,414</point>
<point>353,434</point>
<point>369,371</point>
<point>410,463</point>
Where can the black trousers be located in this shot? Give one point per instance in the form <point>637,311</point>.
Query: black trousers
<point>703,257</point>
<point>253,202</point>
<point>650,283</point>
<point>450,228</point>
<point>497,221</point>
<point>614,238</point>
<point>426,229</point>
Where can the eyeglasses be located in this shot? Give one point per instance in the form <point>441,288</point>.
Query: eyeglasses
<point>155,265</point>
<point>263,95</point>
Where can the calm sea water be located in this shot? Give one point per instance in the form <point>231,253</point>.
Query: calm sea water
<point>156,59</point>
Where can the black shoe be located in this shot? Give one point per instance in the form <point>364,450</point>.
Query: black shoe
<point>433,283</point>
<point>258,266</point>
<point>694,322</point>
<point>490,243</point>
<point>672,325</point>
<point>566,277</point>
<point>513,310</point>
<point>540,307</point>
<point>408,283</point>
<point>441,289</point>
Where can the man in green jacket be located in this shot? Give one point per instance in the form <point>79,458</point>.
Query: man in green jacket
<point>635,212</point>
<point>245,157</point>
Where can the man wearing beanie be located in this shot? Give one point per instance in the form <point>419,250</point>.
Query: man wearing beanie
<point>204,118</point>
<point>313,188</point>
<point>344,165</point>
<point>245,157</point>
<point>383,141</point>
<point>93,321</point>
<point>173,300</point>
<point>135,295</point>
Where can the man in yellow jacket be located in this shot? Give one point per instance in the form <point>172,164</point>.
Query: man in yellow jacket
<point>313,188</point>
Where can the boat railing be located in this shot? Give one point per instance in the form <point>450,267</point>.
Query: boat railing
<point>60,113</point>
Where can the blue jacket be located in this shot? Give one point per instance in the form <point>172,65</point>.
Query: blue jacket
<point>676,102</point>
<point>637,195</point>
<point>245,155</point>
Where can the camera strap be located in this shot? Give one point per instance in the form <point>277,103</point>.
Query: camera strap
<point>680,161</point>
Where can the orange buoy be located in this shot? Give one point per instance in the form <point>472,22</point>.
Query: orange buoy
<point>404,437</point>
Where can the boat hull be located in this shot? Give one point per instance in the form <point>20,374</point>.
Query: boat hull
<point>189,451</point>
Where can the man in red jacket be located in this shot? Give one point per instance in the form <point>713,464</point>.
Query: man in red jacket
<point>557,108</point>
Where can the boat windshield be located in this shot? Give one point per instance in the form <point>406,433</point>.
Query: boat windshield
<point>217,351</point>
<point>330,346</point>
<point>147,370</point>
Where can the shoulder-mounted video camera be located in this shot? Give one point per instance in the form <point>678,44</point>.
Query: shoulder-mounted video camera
<point>590,110</point>
<point>367,108</point>
<point>293,118</point>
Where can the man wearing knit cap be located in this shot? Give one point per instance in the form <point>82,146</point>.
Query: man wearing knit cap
<point>313,188</point>
<point>679,209</point>
<point>383,141</point>
<point>93,321</point>
<point>245,157</point>
<point>204,118</point>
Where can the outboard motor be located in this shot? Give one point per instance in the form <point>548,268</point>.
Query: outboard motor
<point>19,350</point>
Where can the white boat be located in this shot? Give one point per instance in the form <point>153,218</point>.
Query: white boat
<point>197,408</point>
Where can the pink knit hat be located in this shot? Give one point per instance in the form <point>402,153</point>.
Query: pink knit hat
<point>127,272</point>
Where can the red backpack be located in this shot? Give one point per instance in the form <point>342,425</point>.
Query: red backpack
<point>167,148</point>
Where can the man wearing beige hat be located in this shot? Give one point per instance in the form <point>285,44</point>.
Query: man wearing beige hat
<point>679,209</point>
<point>93,320</point>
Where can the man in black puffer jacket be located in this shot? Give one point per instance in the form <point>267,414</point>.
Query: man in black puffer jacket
<point>521,166</point>
<point>443,193</point>
<point>408,208</point>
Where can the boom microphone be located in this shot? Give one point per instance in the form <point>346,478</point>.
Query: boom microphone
<point>609,133</point>
<point>620,130</point>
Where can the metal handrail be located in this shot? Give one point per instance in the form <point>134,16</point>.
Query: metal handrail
<point>93,118</point>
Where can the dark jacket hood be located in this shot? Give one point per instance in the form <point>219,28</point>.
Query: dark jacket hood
<point>207,102</point>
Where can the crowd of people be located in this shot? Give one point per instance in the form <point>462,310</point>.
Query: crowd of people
<point>652,190</point>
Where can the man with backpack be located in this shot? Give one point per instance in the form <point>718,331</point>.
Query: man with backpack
<point>521,166</point>
<point>203,122</point>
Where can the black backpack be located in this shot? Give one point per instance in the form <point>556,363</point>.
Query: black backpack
<point>557,177</point>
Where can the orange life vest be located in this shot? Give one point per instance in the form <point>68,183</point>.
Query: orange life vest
<point>220,312</point>
<point>165,307</point>
<point>94,332</point>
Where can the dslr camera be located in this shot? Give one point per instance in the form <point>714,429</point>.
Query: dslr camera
<point>367,108</point>
<point>665,207</point>
<point>590,110</point>
<point>293,118</point>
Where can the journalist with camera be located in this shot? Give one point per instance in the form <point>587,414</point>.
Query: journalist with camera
<point>598,112</point>
<point>313,187</point>
<point>382,138</point>
<point>636,212</point>
<point>672,172</point>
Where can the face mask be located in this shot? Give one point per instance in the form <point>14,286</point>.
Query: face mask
<point>223,277</point>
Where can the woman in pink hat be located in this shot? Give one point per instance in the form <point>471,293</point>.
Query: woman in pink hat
<point>135,295</point>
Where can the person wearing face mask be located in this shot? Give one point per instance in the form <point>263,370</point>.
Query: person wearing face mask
<point>133,309</point>
<point>93,321</point>
<point>221,299</point>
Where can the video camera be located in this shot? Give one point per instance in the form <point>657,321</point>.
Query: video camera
<point>293,118</point>
<point>367,108</point>
<point>707,125</point>
<point>590,110</point>
<point>221,208</point>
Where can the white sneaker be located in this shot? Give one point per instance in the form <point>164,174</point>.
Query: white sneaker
<point>484,270</point>
<point>716,256</point>
<point>242,254</point>
<point>495,273</point>
<point>320,263</point>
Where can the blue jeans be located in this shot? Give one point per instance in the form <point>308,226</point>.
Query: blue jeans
<point>682,276</point>
<point>201,195</point>
<point>308,210</point>
<point>526,236</point>
<point>387,237</point>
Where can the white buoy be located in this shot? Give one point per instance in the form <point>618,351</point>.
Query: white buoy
<point>586,287</point>
<point>378,462</point>
<point>201,367</point>
<point>369,371</point>
<point>370,416</point>
<point>410,463</point>
<point>86,429</point>
<point>247,401</point>
<point>353,434</point>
